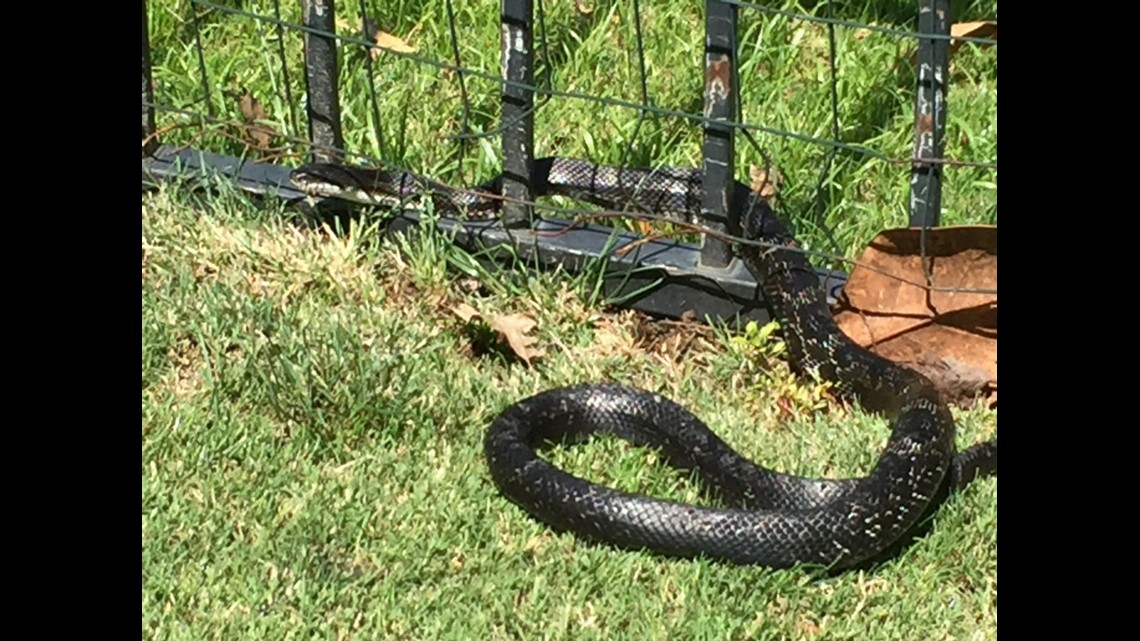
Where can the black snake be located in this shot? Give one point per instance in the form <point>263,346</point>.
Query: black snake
<point>773,519</point>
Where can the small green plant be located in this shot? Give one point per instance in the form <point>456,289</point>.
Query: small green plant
<point>764,370</point>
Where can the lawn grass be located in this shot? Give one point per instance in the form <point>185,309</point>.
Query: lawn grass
<point>313,409</point>
<point>313,414</point>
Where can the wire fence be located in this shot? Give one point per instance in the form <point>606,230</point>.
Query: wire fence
<point>461,91</point>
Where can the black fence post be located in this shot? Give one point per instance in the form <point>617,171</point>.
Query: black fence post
<point>321,81</point>
<point>517,63</point>
<point>930,113</point>
<point>720,107</point>
<point>149,142</point>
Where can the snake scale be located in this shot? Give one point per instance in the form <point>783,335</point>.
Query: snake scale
<point>770,518</point>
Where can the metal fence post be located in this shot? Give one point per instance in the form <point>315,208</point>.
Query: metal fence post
<point>321,82</point>
<point>930,113</point>
<point>517,52</point>
<point>150,143</point>
<point>720,107</point>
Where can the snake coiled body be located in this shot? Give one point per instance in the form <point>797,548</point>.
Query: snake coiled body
<point>771,518</point>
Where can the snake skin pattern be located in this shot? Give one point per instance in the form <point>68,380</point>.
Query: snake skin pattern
<point>770,518</point>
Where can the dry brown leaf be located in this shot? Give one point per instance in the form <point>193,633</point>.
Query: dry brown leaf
<point>259,134</point>
<point>251,108</point>
<point>764,183</point>
<point>383,39</point>
<point>808,627</point>
<point>465,312</point>
<point>981,29</point>
<point>514,328</point>
<point>392,43</point>
<point>949,336</point>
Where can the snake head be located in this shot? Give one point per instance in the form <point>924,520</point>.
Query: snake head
<point>755,218</point>
<point>360,184</point>
<point>321,176</point>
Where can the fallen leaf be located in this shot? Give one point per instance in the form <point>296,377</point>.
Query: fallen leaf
<point>808,627</point>
<point>258,133</point>
<point>514,328</point>
<point>383,39</point>
<point>950,336</point>
<point>465,312</point>
<point>784,405</point>
<point>981,29</point>
<point>392,43</point>
<point>764,183</point>
<point>251,108</point>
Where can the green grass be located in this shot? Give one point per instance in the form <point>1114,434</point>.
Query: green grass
<point>313,411</point>
<point>785,75</point>
<point>312,463</point>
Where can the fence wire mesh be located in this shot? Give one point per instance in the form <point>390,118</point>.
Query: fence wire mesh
<point>825,96</point>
